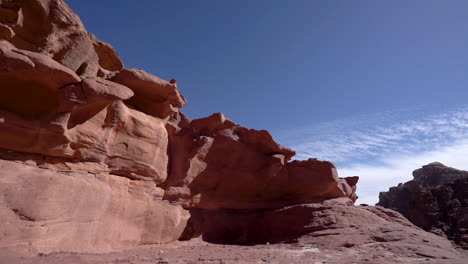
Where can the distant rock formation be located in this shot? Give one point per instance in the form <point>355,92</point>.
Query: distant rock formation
<point>95,157</point>
<point>436,200</point>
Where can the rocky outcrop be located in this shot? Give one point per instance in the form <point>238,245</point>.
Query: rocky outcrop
<point>217,164</point>
<point>45,108</point>
<point>153,96</point>
<point>436,200</point>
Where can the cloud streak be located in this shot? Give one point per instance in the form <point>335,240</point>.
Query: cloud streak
<point>398,168</point>
<point>384,148</point>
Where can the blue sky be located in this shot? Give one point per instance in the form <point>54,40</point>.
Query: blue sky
<point>368,85</point>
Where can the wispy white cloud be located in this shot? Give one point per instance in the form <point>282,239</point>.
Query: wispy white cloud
<point>397,169</point>
<point>384,148</point>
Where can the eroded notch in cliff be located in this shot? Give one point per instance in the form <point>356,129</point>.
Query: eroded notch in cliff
<point>28,98</point>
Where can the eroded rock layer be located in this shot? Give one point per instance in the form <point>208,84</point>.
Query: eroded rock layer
<point>217,164</point>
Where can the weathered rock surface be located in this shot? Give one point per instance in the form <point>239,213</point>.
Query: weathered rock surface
<point>90,123</point>
<point>436,200</point>
<point>49,27</point>
<point>217,164</point>
<point>34,75</point>
<point>45,108</point>
<point>46,211</point>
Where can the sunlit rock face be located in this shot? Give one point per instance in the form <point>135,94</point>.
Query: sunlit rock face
<point>95,157</point>
<point>49,27</point>
<point>218,164</point>
<point>47,109</point>
<point>44,210</point>
<point>435,200</point>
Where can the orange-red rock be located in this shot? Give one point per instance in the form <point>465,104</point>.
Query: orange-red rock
<point>73,120</point>
<point>45,211</point>
<point>216,163</point>
<point>46,109</point>
<point>49,27</point>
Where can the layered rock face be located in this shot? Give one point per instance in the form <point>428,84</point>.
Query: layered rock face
<point>436,200</point>
<point>95,157</point>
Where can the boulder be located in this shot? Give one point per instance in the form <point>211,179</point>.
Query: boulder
<point>332,224</point>
<point>46,109</point>
<point>85,122</point>
<point>115,138</point>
